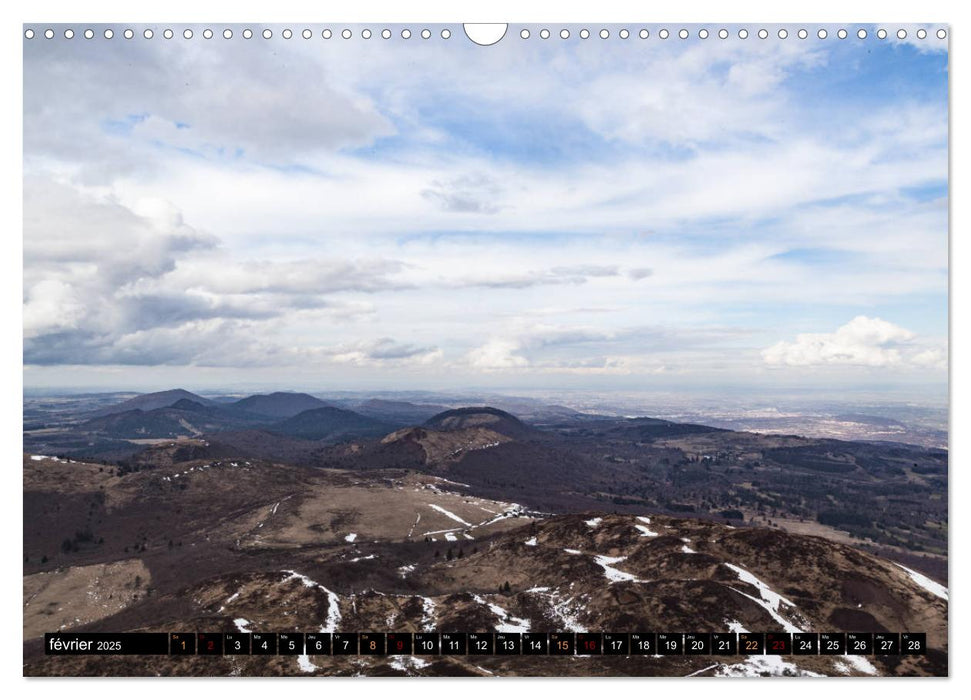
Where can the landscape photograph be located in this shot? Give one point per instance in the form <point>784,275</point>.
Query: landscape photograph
<point>383,350</point>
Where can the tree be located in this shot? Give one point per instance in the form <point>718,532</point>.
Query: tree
<point>449,555</point>
<point>506,588</point>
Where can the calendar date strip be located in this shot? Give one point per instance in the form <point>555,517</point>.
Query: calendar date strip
<point>486,643</point>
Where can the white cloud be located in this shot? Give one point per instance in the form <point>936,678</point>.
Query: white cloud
<point>386,352</point>
<point>739,83</point>
<point>472,193</point>
<point>497,354</point>
<point>870,342</point>
<point>932,358</point>
<point>591,350</point>
<point>51,305</point>
<point>314,276</point>
<point>222,101</point>
<point>107,282</point>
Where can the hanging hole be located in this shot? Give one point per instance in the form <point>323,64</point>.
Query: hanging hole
<point>485,34</point>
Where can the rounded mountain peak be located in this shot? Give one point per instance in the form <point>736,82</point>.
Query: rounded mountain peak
<point>479,417</point>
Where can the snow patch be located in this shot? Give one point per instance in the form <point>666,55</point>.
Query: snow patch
<point>756,666</point>
<point>593,522</point>
<point>643,529</point>
<point>439,532</point>
<point>449,514</point>
<point>768,599</point>
<point>610,572</point>
<point>454,483</point>
<point>573,551</point>
<point>531,542</point>
<point>428,614</point>
<point>927,584</point>
<point>702,670</point>
<point>786,625</point>
<point>768,595</point>
<point>303,661</point>
<point>735,626</point>
<point>862,664</point>
<point>351,537</point>
<point>567,613</point>
<point>242,624</point>
<point>513,510</point>
<point>507,623</point>
<point>333,602</point>
<point>685,549</point>
<point>406,664</point>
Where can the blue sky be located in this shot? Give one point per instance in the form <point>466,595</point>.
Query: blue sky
<point>429,213</point>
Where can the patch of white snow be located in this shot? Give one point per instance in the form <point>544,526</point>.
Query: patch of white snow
<point>927,584</point>
<point>610,572</point>
<point>449,514</point>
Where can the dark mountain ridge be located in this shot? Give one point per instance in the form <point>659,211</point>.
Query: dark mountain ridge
<point>329,423</point>
<point>185,418</point>
<point>401,413</point>
<point>279,404</point>
<point>152,401</point>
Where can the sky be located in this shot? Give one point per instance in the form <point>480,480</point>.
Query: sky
<point>604,214</point>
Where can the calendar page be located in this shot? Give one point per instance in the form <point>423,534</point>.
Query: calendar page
<point>485,350</point>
